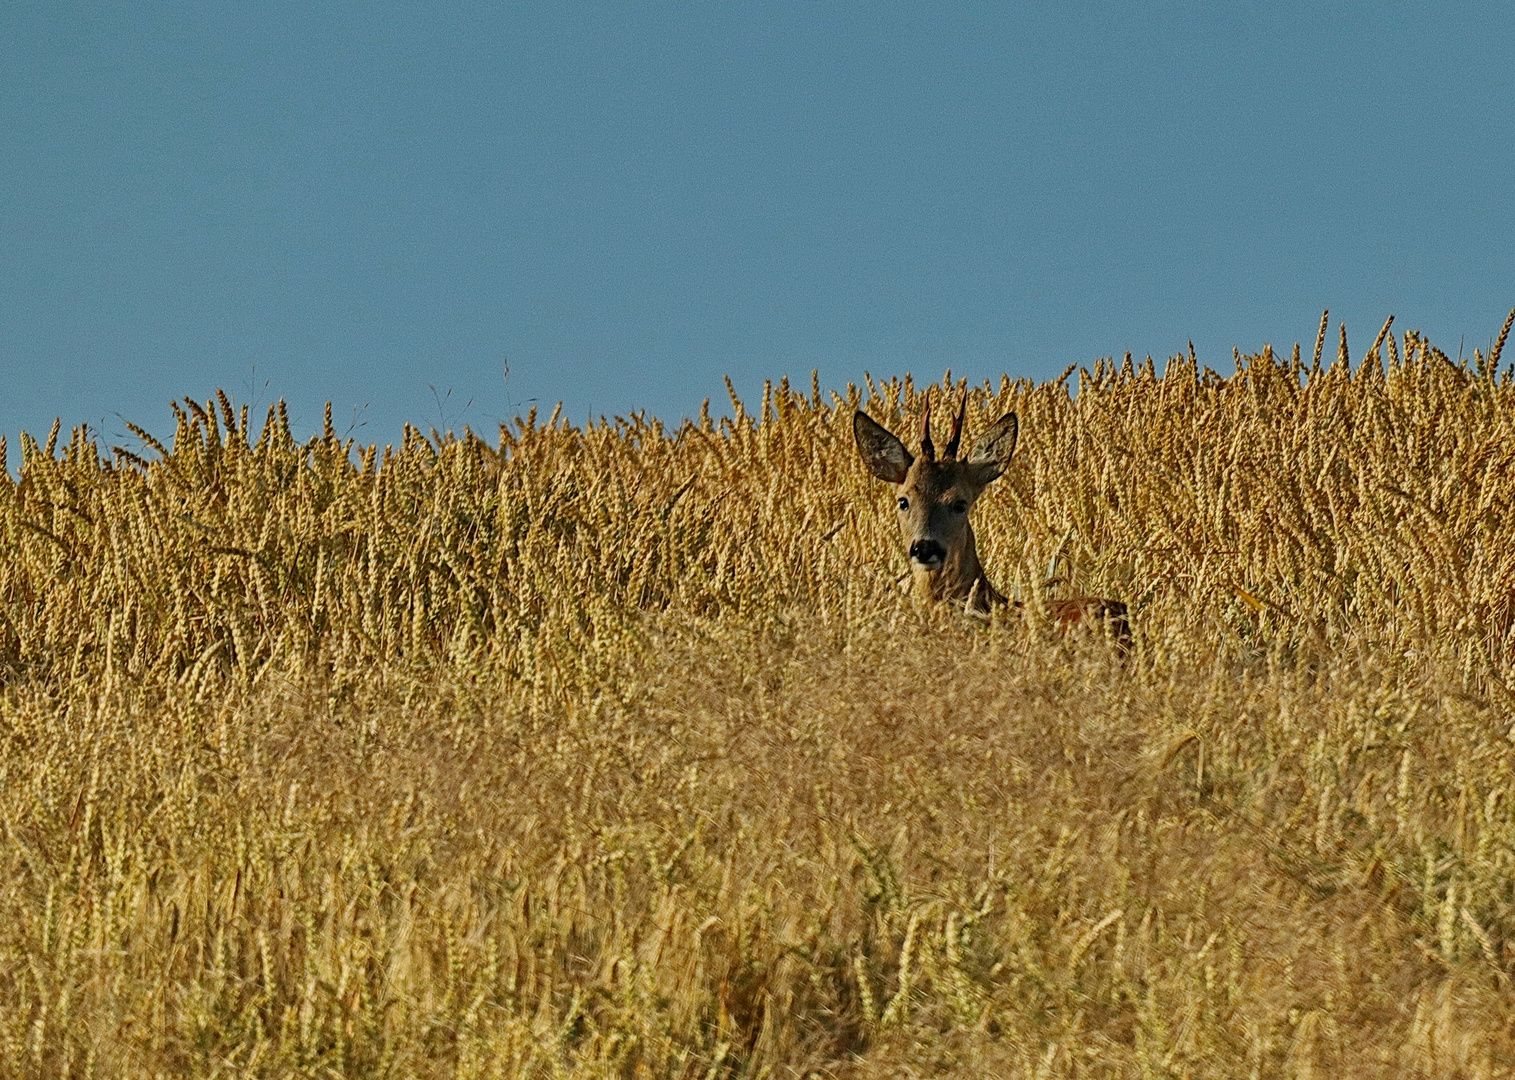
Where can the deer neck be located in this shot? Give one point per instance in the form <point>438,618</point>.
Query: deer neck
<point>960,579</point>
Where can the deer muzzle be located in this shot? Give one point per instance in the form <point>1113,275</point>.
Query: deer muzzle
<point>927,553</point>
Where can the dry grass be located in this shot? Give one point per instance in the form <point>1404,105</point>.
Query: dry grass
<point>618,752</point>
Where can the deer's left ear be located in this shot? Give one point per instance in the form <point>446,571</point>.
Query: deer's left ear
<point>885,456</point>
<point>991,451</point>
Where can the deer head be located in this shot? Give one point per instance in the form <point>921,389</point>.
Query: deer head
<point>934,495</point>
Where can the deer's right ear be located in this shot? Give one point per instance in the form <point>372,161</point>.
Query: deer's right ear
<point>991,452</point>
<point>885,456</point>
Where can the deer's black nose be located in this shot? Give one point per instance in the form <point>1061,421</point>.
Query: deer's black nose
<point>927,552</point>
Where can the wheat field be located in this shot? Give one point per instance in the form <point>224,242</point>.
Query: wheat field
<point>618,751</point>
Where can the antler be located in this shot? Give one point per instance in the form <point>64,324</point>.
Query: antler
<point>928,450</point>
<point>957,426</point>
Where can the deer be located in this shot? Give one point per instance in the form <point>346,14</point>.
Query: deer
<point>933,497</point>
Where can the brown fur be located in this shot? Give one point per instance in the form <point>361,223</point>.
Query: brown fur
<point>933,498</point>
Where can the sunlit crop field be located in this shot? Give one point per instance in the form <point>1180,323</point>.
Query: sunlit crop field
<point>621,752</point>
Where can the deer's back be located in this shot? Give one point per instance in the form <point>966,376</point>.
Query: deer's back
<point>1092,612</point>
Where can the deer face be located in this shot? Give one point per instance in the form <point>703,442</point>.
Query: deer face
<point>933,496</point>
<point>933,503</point>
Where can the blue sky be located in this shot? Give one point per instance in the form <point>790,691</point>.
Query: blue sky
<point>363,202</point>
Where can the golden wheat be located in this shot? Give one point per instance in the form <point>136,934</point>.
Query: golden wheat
<point>617,751</point>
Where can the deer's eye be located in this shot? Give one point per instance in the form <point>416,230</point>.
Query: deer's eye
<point>959,506</point>
<point>904,504</point>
